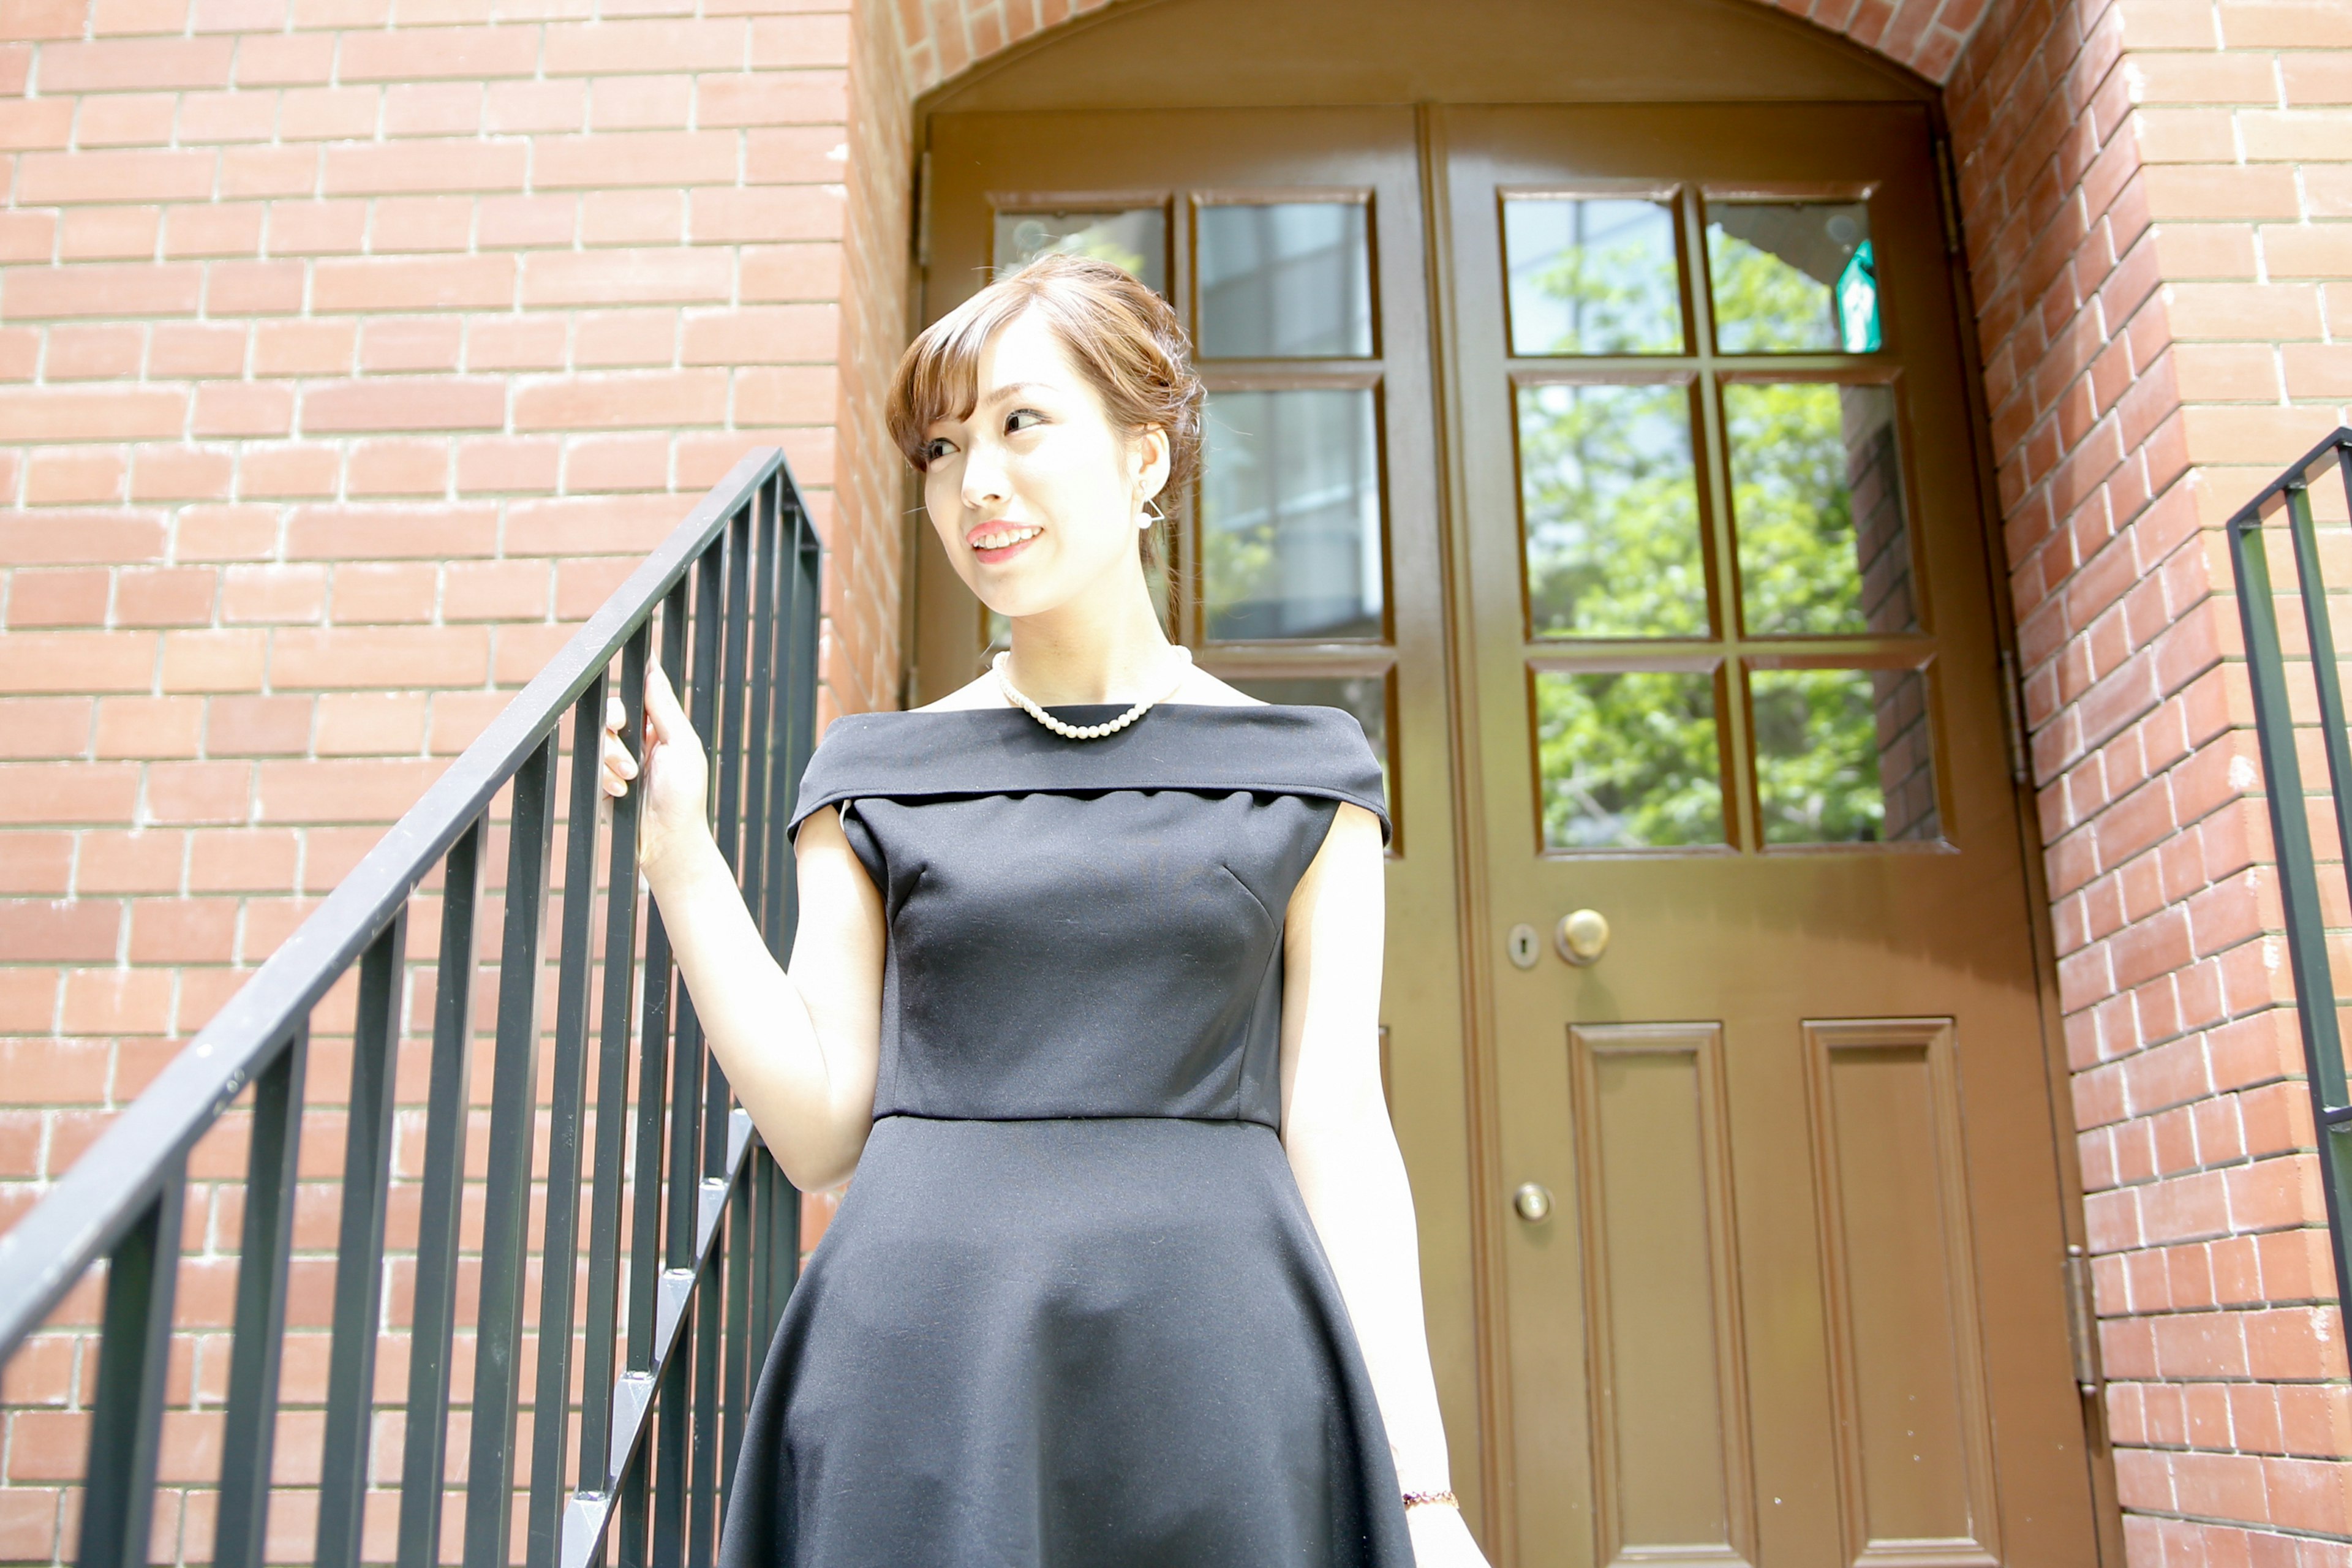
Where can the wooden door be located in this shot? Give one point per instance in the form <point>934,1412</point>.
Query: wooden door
<point>1783,1279</point>
<point>1307,567</point>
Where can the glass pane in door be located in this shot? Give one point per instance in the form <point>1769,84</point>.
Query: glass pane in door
<point>1842,756</point>
<point>1817,495</point>
<point>1609,503</point>
<point>1792,277</point>
<point>1132,238</point>
<point>1592,275</point>
<point>1628,759</point>
<point>1290,515</point>
<point>1285,281</point>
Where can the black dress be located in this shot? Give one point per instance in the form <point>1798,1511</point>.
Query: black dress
<point>1073,1311</point>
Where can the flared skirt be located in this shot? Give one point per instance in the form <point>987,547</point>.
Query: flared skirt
<point>1110,1341</point>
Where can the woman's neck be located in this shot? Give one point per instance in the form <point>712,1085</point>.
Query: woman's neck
<point>1096,648</point>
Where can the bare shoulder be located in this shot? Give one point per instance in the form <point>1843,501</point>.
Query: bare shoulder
<point>981,691</point>
<point>1199,686</point>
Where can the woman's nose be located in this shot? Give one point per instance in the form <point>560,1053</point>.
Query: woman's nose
<point>983,479</point>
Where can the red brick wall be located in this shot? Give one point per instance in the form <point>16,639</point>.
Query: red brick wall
<point>2154,190</point>
<point>347,361</point>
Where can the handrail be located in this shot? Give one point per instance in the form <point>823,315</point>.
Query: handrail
<point>2289,497</point>
<point>735,591</point>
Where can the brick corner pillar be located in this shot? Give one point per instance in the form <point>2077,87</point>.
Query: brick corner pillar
<point>2150,190</point>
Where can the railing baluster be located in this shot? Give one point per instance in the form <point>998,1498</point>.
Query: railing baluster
<point>743,1242</point>
<point>757,761</point>
<point>433,1320</point>
<point>646,1249</point>
<point>781,779</point>
<point>359,1248</point>
<point>134,1354</point>
<point>702,1540</point>
<point>558,1252</point>
<point>497,1346</point>
<point>264,1246</point>
<point>613,1097</point>
<point>669,1452</point>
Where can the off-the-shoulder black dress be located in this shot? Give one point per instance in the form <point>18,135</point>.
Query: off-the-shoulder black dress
<point>1072,1310</point>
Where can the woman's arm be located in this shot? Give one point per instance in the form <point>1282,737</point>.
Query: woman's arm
<point>801,1049</point>
<point>1334,1128</point>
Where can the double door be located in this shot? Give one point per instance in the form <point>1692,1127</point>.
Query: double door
<point>1612,465</point>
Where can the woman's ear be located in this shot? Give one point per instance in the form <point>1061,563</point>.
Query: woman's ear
<point>1152,449</point>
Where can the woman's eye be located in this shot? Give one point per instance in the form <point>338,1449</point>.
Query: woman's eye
<point>1021,419</point>
<point>936,449</point>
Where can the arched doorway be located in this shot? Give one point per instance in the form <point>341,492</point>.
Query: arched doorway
<point>1589,415</point>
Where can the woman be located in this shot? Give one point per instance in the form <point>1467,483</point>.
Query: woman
<point>1085,990</point>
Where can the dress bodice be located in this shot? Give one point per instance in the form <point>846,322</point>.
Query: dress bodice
<point>1086,927</point>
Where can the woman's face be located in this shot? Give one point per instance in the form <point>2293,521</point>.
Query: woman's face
<point>1036,494</point>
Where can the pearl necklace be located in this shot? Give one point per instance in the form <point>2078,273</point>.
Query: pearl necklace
<point>1087,732</point>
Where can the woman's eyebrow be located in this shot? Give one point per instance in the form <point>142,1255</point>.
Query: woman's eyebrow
<point>1011,389</point>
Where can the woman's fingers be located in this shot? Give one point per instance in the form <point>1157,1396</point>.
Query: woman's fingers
<point>619,767</point>
<point>668,719</point>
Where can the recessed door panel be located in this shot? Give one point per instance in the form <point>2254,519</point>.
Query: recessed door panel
<point>1913,1450</point>
<point>1669,1403</point>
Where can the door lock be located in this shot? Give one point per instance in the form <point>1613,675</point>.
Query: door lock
<point>1524,946</point>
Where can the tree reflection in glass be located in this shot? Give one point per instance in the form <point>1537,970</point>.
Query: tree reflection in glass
<point>1610,505</point>
<point>1817,495</point>
<point>1290,515</point>
<point>1592,276</point>
<point>1629,759</point>
<point>1842,756</point>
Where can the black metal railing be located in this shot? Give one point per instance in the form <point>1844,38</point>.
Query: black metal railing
<point>2280,529</point>
<point>678,1315</point>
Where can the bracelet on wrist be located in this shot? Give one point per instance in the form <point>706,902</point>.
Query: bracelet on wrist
<point>1423,1499</point>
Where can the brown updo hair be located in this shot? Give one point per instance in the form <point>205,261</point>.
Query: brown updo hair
<point>1123,337</point>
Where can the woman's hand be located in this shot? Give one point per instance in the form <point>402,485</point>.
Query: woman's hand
<point>677,773</point>
<point>1441,1539</point>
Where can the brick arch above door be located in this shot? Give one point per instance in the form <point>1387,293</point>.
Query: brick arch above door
<point>943,39</point>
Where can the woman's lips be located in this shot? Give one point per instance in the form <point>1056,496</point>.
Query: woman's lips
<point>991,556</point>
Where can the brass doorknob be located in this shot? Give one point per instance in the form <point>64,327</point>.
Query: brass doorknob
<point>1533,1200</point>
<point>1581,937</point>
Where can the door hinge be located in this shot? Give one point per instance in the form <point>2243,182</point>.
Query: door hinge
<point>923,209</point>
<point>2081,1322</point>
<point>1947,191</point>
<point>2013,720</point>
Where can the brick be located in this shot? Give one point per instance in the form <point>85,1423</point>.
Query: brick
<point>74,930</point>
<point>403,403</point>
<point>367,791</point>
<point>663,400</point>
<point>451,283</point>
<point>164,596</point>
<point>60,179</point>
<point>430,54</point>
<point>75,661</point>
<point>609,278</point>
<point>418,167</point>
<point>101,234</point>
<point>412,343</point>
<point>117,66</point>
<point>42,293</point>
<point>74,597</point>
<point>377,657</point>
<point>344,534</point>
